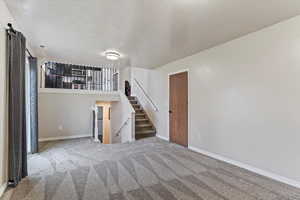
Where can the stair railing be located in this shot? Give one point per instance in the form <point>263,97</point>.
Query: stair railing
<point>121,128</point>
<point>146,95</point>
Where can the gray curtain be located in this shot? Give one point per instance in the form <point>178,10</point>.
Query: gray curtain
<point>16,47</point>
<point>33,104</point>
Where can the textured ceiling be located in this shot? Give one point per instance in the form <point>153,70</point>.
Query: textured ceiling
<point>149,33</point>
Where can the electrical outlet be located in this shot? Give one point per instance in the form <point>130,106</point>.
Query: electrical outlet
<point>60,127</point>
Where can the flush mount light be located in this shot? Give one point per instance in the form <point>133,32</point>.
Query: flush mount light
<point>112,55</point>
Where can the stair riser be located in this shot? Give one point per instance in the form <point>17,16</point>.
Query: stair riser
<point>139,111</point>
<point>137,137</point>
<point>141,122</point>
<point>137,116</point>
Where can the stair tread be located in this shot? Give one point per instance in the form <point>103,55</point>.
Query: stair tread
<point>144,125</point>
<point>141,119</point>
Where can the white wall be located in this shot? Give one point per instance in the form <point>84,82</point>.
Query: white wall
<point>122,120</point>
<point>244,99</point>
<point>64,115</point>
<point>3,111</point>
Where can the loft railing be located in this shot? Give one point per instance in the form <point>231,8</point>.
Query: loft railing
<point>67,76</point>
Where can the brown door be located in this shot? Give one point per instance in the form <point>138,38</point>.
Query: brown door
<point>178,113</point>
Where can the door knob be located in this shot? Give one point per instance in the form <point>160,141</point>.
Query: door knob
<point>170,112</point>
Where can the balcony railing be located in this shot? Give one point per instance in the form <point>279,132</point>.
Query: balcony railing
<point>67,76</point>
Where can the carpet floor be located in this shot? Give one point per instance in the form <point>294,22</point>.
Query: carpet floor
<point>149,169</point>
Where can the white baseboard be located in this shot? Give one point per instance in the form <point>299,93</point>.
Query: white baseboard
<point>63,138</point>
<point>163,138</point>
<point>248,167</point>
<point>2,189</point>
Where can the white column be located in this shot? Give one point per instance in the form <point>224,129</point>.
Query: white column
<point>96,139</point>
<point>132,127</point>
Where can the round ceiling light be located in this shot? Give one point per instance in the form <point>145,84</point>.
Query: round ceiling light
<point>112,55</point>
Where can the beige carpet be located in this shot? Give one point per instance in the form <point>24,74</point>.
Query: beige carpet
<point>149,169</point>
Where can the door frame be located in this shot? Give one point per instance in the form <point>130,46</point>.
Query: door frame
<point>106,132</point>
<point>188,96</point>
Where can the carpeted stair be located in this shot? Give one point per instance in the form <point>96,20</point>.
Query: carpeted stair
<point>143,126</point>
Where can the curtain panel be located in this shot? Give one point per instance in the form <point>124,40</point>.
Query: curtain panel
<point>16,47</point>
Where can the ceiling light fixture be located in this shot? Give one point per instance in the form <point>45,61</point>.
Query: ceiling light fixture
<point>112,55</point>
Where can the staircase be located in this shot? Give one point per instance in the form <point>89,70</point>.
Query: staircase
<point>143,126</point>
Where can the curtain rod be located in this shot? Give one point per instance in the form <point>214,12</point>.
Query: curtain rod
<point>30,55</point>
<point>14,31</point>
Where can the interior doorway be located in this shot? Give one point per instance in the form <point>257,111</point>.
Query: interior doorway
<point>178,108</point>
<point>101,122</point>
